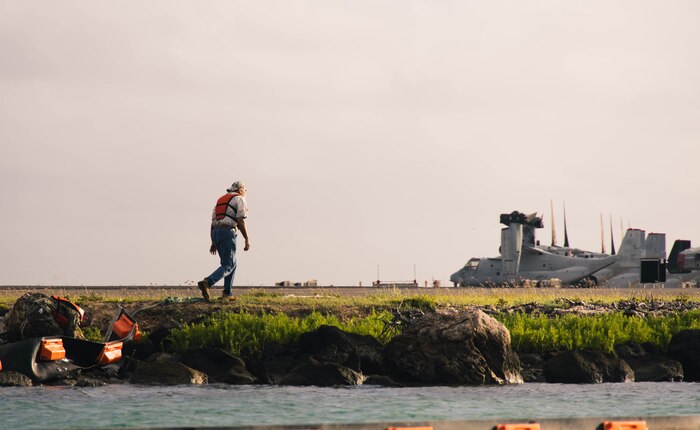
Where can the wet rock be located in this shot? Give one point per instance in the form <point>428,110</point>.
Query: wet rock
<point>532,367</point>
<point>313,372</point>
<point>586,367</point>
<point>272,370</point>
<point>63,382</point>
<point>685,347</point>
<point>14,379</point>
<point>167,374</point>
<point>630,350</point>
<point>163,357</point>
<point>454,348</point>
<point>330,344</point>
<point>656,369</point>
<point>106,375</point>
<point>649,367</point>
<point>381,380</point>
<point>87,381</point>
<point>219,365</point>
<point>145,348</point>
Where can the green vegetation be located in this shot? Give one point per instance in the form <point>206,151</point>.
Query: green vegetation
<point>378,298</point>
<point>537,333</point>
<point>92,333</point>
<point>244,333</point>
<point>423,302</point>
<point>267,314</point>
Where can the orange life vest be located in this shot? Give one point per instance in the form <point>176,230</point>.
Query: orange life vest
<point>223,204</point>
<point>60,318</point>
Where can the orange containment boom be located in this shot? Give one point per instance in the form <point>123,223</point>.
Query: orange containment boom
<point>52,350</point>
<point>111,353</point>
<point>624,425</point>
<point>123,326</point>
<point>410,428</point>
<point>527,426</point>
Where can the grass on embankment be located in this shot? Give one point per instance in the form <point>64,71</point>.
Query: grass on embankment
<point>537,333</point>
<point>246,333</point>
<point>330,299</point>
<point>263,315</point>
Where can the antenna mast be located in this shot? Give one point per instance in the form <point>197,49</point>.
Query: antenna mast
<point>602,234</point>
<point>554,232</point>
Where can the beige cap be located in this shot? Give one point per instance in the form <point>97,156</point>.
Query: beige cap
<point>236,186</point>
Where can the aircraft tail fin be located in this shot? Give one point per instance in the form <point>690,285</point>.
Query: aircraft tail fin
<point>655,246</point>
<point>631,247</point>
<point>678,247</point>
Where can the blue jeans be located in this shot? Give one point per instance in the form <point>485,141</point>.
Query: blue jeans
<point>225,241</point>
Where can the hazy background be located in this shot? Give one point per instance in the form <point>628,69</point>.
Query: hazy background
<point>369,133</point>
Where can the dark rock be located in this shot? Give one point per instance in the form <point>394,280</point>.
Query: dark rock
<point>381,380</point>
<point>219,365</point>
<point>14,379</point>
<point>163,357</point>
<point>272,371</point>
<point>685,347</point>
<point>87,381</point>
<point>106,375</point>
<point>532,367</point>
<point>145,348</point>
<point>330,344</point>
<point>158,335</point>
<point>62,382</point>
<point>652,348</point>
<point>312,372</point>
<point>273,349</point>
<point>239,376</point>
<point>630,350</point>
<point>167,374</point>
<point>648,366</point>
<point>455,348</point>
<point>586,367</point>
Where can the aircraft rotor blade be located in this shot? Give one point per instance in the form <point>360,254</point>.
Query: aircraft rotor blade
<point>602,235</point>
<point>566,234</point>
<point>622,229</point>
<point>612,238</point>
<point>554,232</point>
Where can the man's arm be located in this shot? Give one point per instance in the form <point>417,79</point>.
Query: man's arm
<point>244,232</point>
<point>212,248</point>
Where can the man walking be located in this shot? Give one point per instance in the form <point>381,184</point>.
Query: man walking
<point>227,219</point>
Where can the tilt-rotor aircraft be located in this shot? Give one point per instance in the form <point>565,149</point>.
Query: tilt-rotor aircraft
<point>643,260</point>
<point>640,260</point>
<point>522,258</point>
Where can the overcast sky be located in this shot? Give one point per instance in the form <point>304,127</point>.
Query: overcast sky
<point>369,133</point>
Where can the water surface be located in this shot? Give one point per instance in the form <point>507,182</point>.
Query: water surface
<point>226,405</point>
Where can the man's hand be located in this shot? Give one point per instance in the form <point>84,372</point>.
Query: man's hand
<point>212,249</point>
<point>247,245</point>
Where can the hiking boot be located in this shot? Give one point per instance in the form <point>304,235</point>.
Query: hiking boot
<point>227,297</point>
<point>204,288</point>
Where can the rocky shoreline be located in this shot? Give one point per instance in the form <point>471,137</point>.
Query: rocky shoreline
<point>446,347</point>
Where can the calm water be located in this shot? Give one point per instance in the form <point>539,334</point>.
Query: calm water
<point>223,405</point>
